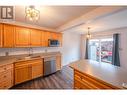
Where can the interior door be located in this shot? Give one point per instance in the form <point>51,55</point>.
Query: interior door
<point>35,37</point>
<point>22,37</point>
<point>8,35</point>
<point>22,74</point>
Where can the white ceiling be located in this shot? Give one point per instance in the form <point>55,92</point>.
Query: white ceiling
<point>53,16</point>
<point>114,19</point>
<point>76,18</point>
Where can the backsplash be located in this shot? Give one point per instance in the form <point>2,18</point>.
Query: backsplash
<point>18,51</point>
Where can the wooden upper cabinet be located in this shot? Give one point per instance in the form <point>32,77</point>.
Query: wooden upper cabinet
<point>1,29</point>
<point>47,37</point>
<point>54,35</point>
<point>60,38</point>
<point>22,37</point>
<point>8,35</point>
<point>43,38</point>
<point>18,36</point>
<point>35,37</point>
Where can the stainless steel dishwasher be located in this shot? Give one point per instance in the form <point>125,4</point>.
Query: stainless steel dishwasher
<point>49,65</point>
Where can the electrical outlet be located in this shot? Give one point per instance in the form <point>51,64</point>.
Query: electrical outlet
<point>124,85</point>
<point>6,53</point>
<point>46,50</point>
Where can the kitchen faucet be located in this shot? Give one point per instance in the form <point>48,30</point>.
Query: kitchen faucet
<point>30,51</point>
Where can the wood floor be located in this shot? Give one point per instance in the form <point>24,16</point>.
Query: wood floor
<point>60,80</point>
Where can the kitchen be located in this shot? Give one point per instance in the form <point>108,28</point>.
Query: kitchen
<point>57,50</point>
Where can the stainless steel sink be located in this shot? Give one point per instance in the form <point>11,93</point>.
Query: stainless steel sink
<point>28,57</point>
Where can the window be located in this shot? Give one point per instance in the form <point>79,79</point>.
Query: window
<point>100,50</point>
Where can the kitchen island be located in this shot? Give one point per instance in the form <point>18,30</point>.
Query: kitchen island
<point>92,75</point>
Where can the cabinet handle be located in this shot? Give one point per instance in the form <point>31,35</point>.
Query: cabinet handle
<point>5,68</point>
<point>5,86</point>
<point>5,76</point>
<point>81,78</point>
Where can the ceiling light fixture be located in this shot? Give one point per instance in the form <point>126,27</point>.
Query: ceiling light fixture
<point>88,33</point>
<point>32,13</point>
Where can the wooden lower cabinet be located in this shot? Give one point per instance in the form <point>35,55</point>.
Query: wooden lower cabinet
<point>58,62</point>
<point>84,81</point>
<point>37,69</point>
<point>27,70</point>
<point>22,74</point>
<point>6,76</point>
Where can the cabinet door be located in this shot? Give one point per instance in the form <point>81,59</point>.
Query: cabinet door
<point>47,37</point>
<point>1,35</point>
<point>54,36</point>
<point>60,37</point>
<point>58,62</point>
<point>6,76</point>
<point>35,37</point>
<point>22,74</point>
<point>8,35</point>
<point>43,38</point>
<point>22,37</point>
<point>37,69</point>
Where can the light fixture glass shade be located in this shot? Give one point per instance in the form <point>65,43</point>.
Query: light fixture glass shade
<point>88,34</point>
<point>32,13</point>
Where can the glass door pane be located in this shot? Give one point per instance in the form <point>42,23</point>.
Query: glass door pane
<point>94,50</point>
<point>106,50</point>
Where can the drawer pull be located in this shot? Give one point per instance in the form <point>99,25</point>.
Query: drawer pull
<point>81,78</point>
<point>5,76</point>
<point>5,68</point>
<point>5,86</point>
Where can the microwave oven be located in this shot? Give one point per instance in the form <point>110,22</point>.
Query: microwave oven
<point>53,43</point>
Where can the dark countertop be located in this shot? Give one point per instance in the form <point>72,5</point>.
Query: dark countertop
<point>106,72</point>
<point>17,58</point>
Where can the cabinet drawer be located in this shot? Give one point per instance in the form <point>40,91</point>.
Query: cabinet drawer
<point>6,76</point>
<point>94,83</point>
<point>5,85</point>
<point>87,84</point>
<point>79,85</point>
<point>4,68</point>
<point>28,62</point>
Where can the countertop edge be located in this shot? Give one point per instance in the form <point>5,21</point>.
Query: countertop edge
<point>95,78</point>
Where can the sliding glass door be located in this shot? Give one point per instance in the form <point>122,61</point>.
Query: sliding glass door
<point>106,50</point>
<point>94,50</point>
<point>100,50</point>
